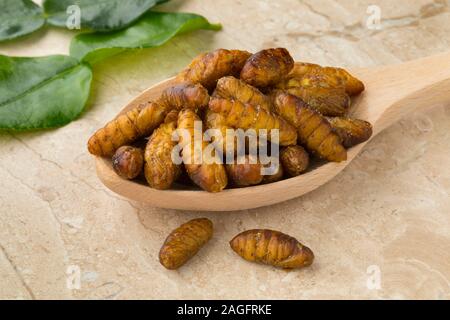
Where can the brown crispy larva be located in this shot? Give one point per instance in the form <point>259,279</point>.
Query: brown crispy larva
<point>142,120</point>
<point>295,160</point>
<point>352,131</point>
<point>352,85</point>
<point>124,129</point>
<point>272,248</point>
<point>333,77</point>
<point>208,174</point>
<point>314,131</point>
<point>184,242</point>
<point>246,171</point>
<point>185,95</point>
<point>267,67</point>
<point>232,88</point>
<point>209,67</point>
<point>326,89</point>
<point>160,170</point>
<point>312,89</point>
<point>246,116</point>
<point>128,162</point>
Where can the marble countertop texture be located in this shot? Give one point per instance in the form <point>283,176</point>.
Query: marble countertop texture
<point>381,229</point>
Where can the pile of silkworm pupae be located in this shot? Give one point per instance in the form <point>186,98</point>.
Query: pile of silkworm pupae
<point>225,90</point>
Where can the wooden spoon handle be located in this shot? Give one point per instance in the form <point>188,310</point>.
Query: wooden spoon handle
<point>398,90</point>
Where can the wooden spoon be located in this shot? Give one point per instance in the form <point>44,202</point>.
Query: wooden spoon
<point>391,93</point>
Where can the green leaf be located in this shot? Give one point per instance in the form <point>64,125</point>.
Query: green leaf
<point>99,15</point>
<point>153,29</point>
<point>44,92</point>
<point>18,18</point>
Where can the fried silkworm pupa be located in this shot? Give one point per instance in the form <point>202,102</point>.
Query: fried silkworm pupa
<point>333,77</point>
<point>208,173</point>
<point>246,116</point>
<point>142,120</point>
<point>184,242</point>
<point>352,85</point>
<point>246,171</point>
<point>126,128</point>
<point>272,248</point>
<point>207,68</point>
<point>185,95</point>
<point>329,101</point>
<point>351,131</point>
<point>267,67</point>
<point>128,162</point>
<point>295,160</point>
<point>232,88</point>
<point>314,131</point>
<point>160,171</point>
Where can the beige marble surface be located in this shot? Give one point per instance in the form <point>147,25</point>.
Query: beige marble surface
<point>389,211</point>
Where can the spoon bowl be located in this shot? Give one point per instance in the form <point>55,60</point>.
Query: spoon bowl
<point>391,93</point>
